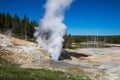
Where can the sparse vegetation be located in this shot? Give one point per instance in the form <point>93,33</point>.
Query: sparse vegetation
<point>15,73</point>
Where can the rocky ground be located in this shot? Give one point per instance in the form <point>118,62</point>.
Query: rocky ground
<point>20,51</point>
<point>104,65</point>
<point>106,59</point>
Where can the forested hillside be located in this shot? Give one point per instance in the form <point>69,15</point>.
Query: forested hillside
<point>13,25</point>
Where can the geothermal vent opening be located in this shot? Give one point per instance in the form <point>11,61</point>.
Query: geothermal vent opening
<point>52,29</point>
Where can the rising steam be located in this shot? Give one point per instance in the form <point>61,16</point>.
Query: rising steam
<point>52,29</point>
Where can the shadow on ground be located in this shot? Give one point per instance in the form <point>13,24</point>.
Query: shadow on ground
<point>67,55</point>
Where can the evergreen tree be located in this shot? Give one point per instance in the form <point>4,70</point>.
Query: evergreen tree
<point>8,22</point>
<point>68,40</point>
<point>31,29</point>
<point>24,26</point>
<point>16,25</point>
<point>2,20</point>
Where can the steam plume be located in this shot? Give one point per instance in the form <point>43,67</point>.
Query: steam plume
<point>52,29</point>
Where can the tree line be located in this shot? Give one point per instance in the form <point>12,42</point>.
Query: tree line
<point>107,39</point>
<point>21,28</point>
<point>24,29</point>
<point>70,40</point>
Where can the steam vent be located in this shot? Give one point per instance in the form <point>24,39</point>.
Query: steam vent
<point>59,39</point>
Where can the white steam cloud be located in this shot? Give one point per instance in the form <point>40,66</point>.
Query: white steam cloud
<point>52,29</point>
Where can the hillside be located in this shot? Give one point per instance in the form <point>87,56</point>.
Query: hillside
<point>96,65</point>
<point>20,51</point>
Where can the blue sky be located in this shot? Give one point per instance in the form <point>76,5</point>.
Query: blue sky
<point>84,17</point>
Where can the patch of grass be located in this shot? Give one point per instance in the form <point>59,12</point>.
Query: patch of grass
<point>4,62</point>
<point>16,73</point>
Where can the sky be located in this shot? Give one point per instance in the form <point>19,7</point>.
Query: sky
<point>84,17</point>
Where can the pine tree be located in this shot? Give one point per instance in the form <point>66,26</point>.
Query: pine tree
<point>31,29</point>
<point>68,39</point>
<point>8,22</point>
<point>24,26</point>
<point>16,25</point>
<point>2,20</point>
